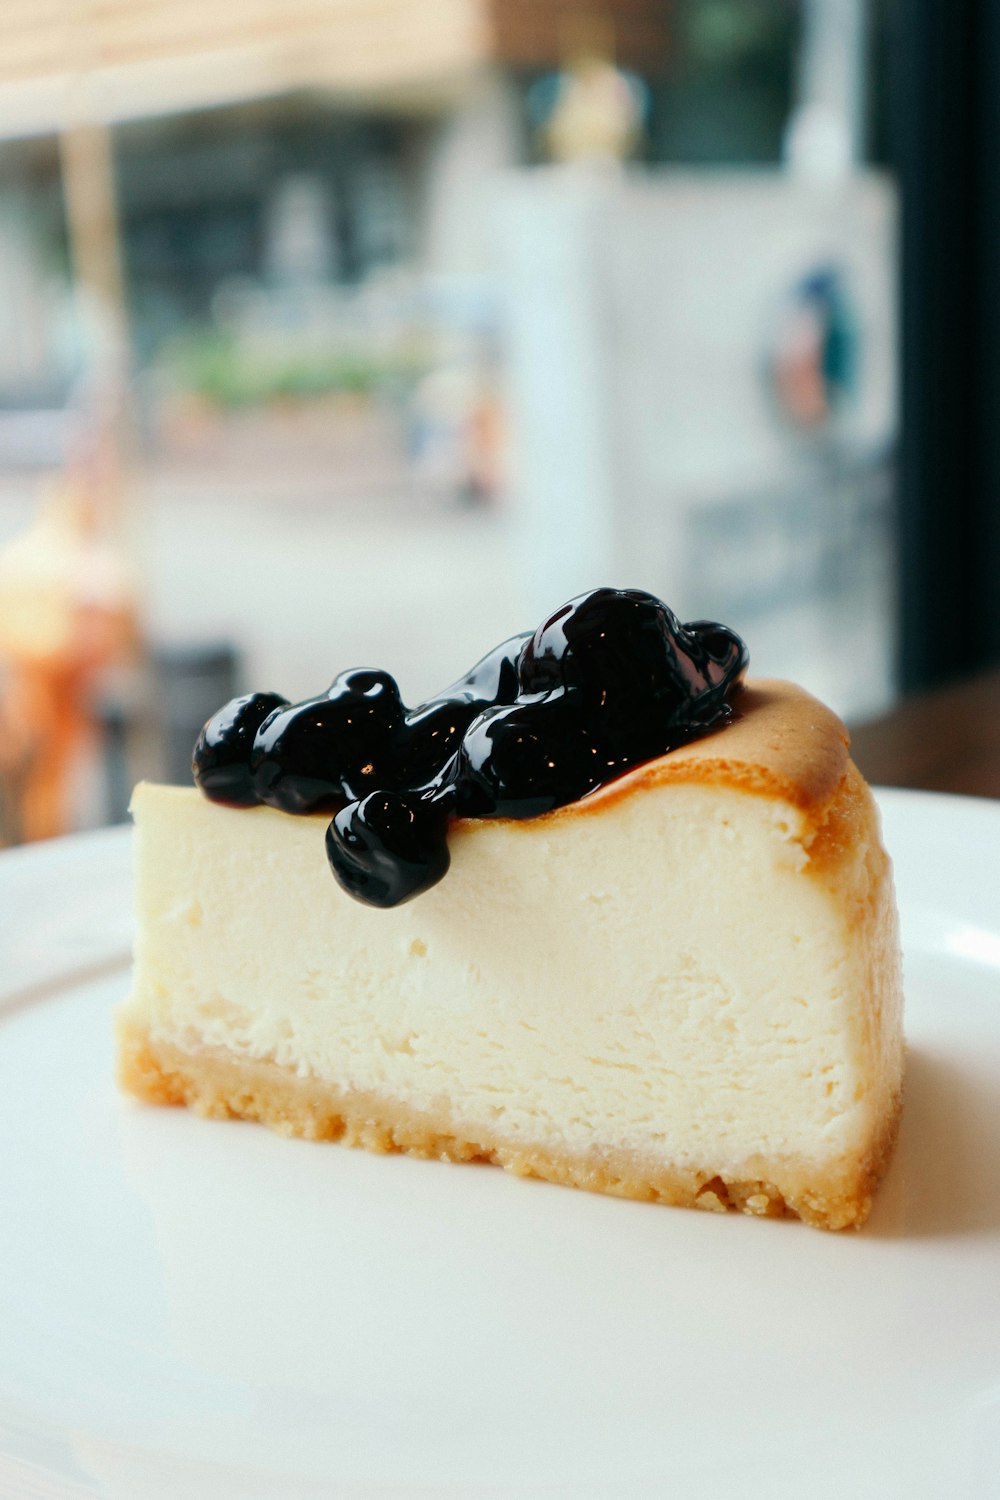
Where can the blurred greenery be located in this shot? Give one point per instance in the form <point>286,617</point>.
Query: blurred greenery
<point>722,32</point>
<point>221,369</point>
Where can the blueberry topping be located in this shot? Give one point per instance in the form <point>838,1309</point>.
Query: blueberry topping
<point>609,681</point>
<point>516,762</point>
<point>388,847</point>
<point>310,757</point>
<point>434,731</point>
<point>495,679</point>
<point>221,760</point>
<point>369,699</point>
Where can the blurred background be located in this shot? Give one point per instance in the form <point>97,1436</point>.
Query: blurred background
<point>365,332</point>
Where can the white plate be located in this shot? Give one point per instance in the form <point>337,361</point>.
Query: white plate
<point>210,1312</point>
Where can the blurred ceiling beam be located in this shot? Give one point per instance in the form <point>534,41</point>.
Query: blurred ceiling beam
<point>104,397</point>
<point>92,218</point>
<point>152,57</point>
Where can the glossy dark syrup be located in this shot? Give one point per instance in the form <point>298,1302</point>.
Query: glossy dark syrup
<point>609,681</point>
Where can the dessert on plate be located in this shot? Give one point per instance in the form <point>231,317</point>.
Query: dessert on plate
<point>605,912</point>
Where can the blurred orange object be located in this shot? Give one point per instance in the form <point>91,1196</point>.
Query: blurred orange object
<point>66,613</point>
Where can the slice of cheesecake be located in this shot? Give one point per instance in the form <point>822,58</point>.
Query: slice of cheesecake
<point>682,987</point>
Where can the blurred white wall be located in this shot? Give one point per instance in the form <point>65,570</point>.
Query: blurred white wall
<point>32,309</point>
<point>470,146</point>
<point>648,443</point>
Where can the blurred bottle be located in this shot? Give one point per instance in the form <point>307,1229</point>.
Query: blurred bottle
<point>591,111</point>
<point>67,613</point>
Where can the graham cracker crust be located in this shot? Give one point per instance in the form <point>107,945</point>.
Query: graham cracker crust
<point>220,1085</point>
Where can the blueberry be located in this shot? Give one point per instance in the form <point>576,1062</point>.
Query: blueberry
<point>494,679</point>
<point>294,764</point>
<point>221,759</point>
<point>719,653</point>
<point>518,761</point>
<point>370,694</point>
<point>314,755</point>
<point>433,732</point>
<point>610,643</point>
<point>388,848</point>
<point>646,675</point>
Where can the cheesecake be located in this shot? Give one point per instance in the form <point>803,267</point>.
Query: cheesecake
<point>680,985</point>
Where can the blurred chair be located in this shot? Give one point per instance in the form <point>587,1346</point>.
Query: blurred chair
<point>188,683</point>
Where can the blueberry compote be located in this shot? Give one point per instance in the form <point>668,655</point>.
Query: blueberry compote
<point>609,681</point>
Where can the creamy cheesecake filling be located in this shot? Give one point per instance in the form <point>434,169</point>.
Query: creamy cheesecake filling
<point>701,975</point>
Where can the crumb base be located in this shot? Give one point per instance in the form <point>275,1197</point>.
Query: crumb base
<point>220,1085</point>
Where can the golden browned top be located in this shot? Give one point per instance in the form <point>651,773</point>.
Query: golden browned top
<point>783,743</point>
